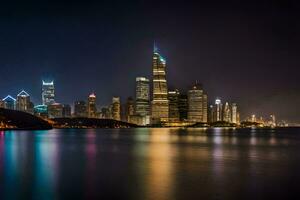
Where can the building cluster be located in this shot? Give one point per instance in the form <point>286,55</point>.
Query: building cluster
<point>270,121</point>
<point>151,106</point>
<point>227,112</point>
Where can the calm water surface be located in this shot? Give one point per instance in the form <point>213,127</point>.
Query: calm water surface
<point>150,164</point>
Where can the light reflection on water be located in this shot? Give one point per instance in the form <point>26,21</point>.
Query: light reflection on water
<point>158,163</point>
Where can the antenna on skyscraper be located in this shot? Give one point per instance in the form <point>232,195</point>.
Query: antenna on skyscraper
<point>155,49</point>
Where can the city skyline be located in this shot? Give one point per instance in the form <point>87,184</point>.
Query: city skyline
<point>238,52</point>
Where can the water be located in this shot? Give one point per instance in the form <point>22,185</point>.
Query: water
<point>150,164</point>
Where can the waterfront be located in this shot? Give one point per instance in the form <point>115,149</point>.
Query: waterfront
<point>158,163</point>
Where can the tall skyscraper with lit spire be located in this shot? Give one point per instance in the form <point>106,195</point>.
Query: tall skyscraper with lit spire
<point>48,94</point>
<point>160,102</point>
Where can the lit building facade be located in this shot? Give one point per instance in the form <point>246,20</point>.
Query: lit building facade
<point>234,113</point>
<point>91,106</point>
<point>66,112</point>
<point>80,109</point>
<point>129,109</point>
<point>227,113</point>
<point>55,110</point>
<point>116,108</point>
<point>160,103</point>
<point>142,96</point>
<point>41,111</point>
<point>197,105</point>
<point>23,102</point>
<point>9,102</point>
<point>48,93</point>
<point>183,107</point>
<point>173,97</point>
<point>218,111</point>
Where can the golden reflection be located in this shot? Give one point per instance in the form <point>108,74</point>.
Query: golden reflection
<point>160,170</point>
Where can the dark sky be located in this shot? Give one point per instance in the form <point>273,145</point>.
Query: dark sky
<point>243,52</point>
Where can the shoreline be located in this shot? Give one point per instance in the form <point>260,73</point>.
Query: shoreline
<point>34,129</point>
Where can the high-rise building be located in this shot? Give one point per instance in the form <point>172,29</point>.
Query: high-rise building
<point>9,102</point>
<point>66,112</point>
<point>142,96</point>
<point>48,93</point>
<point>173,97</point>
<point>160,103</point>
<point>116,108</point>
<point>218,110</point>
<point>2,104</point>
<point>23,102</point>
<point>234,113</point>
<point>183,107</point>
<point>211,113</point>
<point>80,109</point>
<point>197,100</point>
<point>227,113</point>
<point>91,106</point>
<point>55,110</point>
<point>204,107</point>
<point>129,108</point>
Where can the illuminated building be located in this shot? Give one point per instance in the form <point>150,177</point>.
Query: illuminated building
<point>211,113</point>
<point>41,111</point>
<point>272,121</point>
<point>91,106</point>
<point>80,109</point>
<point>173,97</point>
<point>9,102</point>
<point>205,104</point>
<point>23,102</point>
<point>234,113</point>
<point>2,104</point>
<point>218,110</point>
<point>227,113</point>
<point>253,118</point>
<point>116,108</point>
<point>48,93</point>
<point>197,105</point>
<point>55,110</point>
<point>142,97</point>
<point>183,107</point>
<point>66,111</point>
<point>160,103</point>
<point>129,109</point>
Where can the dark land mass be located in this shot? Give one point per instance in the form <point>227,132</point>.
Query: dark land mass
<point>21,120</point>
<point>90,123</point>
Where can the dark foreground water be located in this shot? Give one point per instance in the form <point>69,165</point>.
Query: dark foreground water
<point>150,164</point>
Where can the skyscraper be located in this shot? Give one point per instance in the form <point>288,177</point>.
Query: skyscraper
<point>129,109</point>
<point>48,93</point>
<point>204,107</point>
<point>55,110</point>
<point>9,102</point>
<point>142,96</point>
<point>116,108</point>
<point>23,102</point>
<point>91,106</point>
<point>80,109</point>
<point>183,107</point>
<point>218,110</point>
<point>234,113</point>
<point>227,113</point>
<point>197,105</point>
<point>160,103</point>
<point>173,97</point>
<point>66,111</point>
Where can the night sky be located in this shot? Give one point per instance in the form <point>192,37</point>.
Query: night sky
<point>241,52</point>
